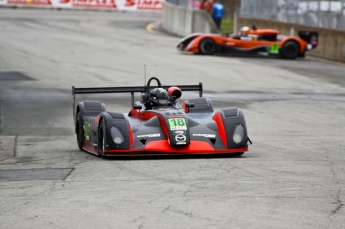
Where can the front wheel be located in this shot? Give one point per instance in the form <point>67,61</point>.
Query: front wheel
<point>290,50</point>
<point>101,140</point>
<point>80,131</point>
<point>207,46</point>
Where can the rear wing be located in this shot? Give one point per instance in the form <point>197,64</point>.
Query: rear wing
<point>311,37</point>
<point>132,90</point>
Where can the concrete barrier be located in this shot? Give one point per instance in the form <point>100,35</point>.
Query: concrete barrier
<point>182,21</point>
<point>331,42</point>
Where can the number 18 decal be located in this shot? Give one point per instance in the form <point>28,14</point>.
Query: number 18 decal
<point>177,124</point>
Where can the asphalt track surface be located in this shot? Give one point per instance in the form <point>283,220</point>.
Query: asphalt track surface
<point>292,177</point>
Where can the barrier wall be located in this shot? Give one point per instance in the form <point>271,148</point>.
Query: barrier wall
<point>331,42</point>
<point>126,5</point>
<point>182,21</point>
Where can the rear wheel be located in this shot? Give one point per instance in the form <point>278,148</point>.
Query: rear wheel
<point>101,140</point>
<point>207,46</point>
<point>290,50</point>
<point>80,131</point>
<point>302,54</point>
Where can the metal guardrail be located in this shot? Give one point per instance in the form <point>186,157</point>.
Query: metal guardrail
<point>319,13</point>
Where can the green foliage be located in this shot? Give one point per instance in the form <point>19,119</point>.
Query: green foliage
<point>226,27</point>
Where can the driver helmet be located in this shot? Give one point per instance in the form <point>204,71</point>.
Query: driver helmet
<point>159,97</point>
<point>244,31</point>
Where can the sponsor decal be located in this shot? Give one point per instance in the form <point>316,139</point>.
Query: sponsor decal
<point>177,124</point>
<point>150,4</point>
<point>87,128</point>
<point>273,49</point>
<point>205,135</point>
<point>175,116</point>
<point>149,136</point>
<point>180,139</point>
<point>181,143</point>
<point>95,3</point>
<point>177,132</point>
<point>178,128</point>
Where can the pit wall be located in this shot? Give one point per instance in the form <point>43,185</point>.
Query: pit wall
<point>182,21</point>
<point>331,42</point>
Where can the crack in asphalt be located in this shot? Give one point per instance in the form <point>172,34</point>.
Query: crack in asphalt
<point>69,173</point>
<point>337,198</point>
<point>0,116</point>
<point>339,202</point>
<point>15,146</point>
<point>335,179</point>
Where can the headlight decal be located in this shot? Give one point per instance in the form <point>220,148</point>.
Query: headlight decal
<point>116,135</point>
<point>238,134</point>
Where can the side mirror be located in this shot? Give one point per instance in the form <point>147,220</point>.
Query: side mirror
<point>137,106</point>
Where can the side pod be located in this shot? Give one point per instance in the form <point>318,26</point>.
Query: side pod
<point>116,125</point>
<point>88,109</point>
<point>234,129</point>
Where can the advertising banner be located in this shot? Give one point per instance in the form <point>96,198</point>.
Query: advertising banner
<point>124,5</point>
<point>29,2</point>
<point>61,3</point>
<point>94,3</point>
<point>140,4</point>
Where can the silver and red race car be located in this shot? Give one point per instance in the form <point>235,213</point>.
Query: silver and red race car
<point>158,124</point>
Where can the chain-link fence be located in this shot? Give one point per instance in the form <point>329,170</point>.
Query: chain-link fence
<point>328,14</point>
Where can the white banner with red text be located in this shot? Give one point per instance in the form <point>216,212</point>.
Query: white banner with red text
<point>125,5</point>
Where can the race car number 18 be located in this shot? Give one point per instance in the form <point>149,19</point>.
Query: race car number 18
<point>177,124</point>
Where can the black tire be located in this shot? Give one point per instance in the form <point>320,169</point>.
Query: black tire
<point>80,131</point>
<point>290,50</point>
<point>101,137</point>
<point>236,154</point>
<point>302,54</point>
<point>207,46</point>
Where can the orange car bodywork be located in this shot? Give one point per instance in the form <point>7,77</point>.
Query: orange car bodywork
<point>260,40</point>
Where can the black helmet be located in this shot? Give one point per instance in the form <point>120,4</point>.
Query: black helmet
<point>159,97</point>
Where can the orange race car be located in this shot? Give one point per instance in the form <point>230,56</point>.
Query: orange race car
<point>251,41</point>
